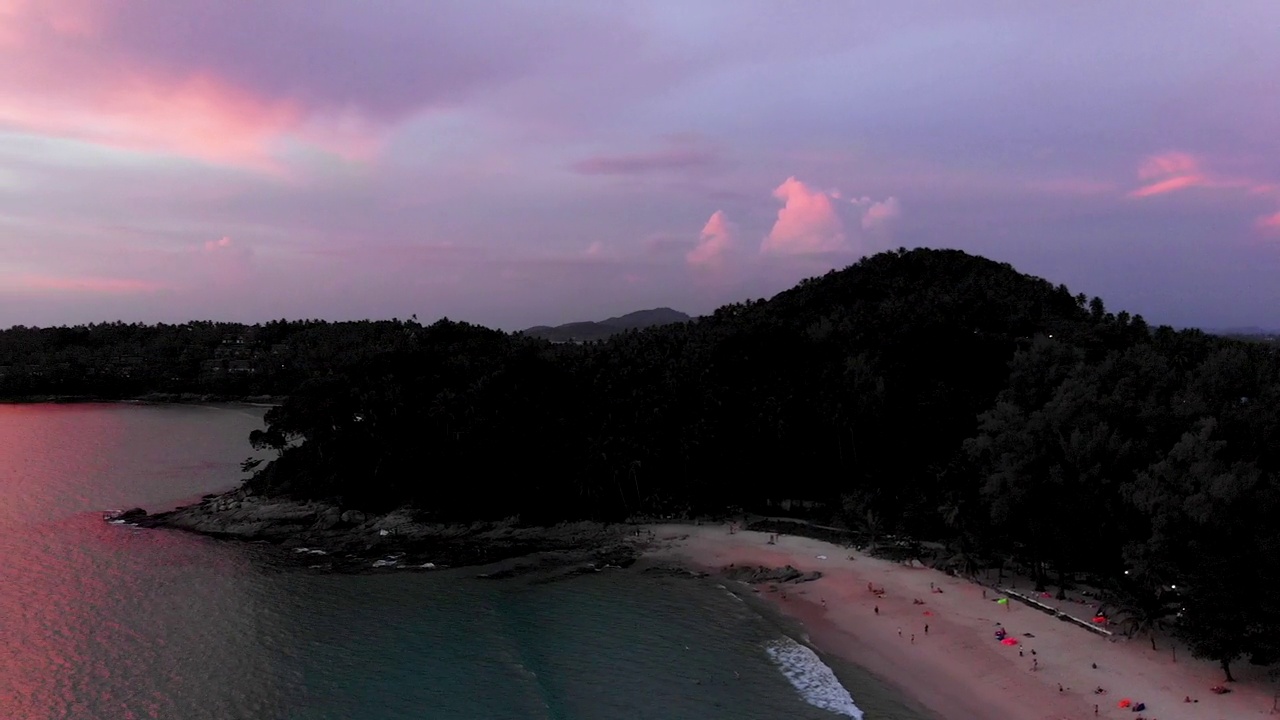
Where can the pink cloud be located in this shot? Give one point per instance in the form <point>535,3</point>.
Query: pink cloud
<point>79,69</point>
<point>1174,171</point>
<point>1169,172</point>
<point>1170,185</point>
<point>714,243</point>
<point>881,214</point>
<point>197,116</point>
<point>222,243</point>
<point>225,262</point>
<point>1170,163</point>
<point>806,224</point>
<point>595,250</point>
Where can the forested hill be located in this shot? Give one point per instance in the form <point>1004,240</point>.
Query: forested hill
<point>587,331</point>
<point>927,392</point>
<point>208,359</point>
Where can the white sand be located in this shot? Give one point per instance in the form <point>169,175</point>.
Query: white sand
<point>959,670</point>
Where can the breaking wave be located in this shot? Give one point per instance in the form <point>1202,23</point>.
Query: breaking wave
<point>812,678</point>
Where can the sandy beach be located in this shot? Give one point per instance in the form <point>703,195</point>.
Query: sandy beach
<point>957,668</point>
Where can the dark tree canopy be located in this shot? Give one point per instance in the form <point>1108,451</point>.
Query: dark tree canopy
<point>925,392</point>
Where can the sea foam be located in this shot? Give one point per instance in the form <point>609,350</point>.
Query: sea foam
<point>811,677</point>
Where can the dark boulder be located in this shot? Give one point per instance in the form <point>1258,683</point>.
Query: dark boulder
<point>756,575</point>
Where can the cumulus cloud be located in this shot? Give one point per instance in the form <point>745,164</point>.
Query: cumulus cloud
<point>1269,222</point>
<point>880,214</point>
<point>806,224</point>
<point>714,243</point>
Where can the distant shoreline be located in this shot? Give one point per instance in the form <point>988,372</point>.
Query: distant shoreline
<point>148,399</point>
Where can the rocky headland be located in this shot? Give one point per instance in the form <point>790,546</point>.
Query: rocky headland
<point>324,537</point>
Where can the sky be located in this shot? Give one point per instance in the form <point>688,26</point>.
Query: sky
<point>514,163</point>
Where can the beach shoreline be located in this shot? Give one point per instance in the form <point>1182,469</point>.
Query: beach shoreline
<point>958,670</point>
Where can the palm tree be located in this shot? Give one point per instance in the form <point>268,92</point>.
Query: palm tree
<point>1146,613</point>
<point>961,561</point>
<point>871,527</point>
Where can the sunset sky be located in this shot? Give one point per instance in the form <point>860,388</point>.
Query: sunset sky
<point>520,163</point>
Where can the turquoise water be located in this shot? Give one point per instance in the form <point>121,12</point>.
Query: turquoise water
<point>99,621</point>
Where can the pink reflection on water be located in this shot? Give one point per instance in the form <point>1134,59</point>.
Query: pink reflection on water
<point>64,588</point>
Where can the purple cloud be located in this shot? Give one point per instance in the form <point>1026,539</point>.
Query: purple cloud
<point>645,163</point>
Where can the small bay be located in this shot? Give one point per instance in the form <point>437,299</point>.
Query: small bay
<point>110,621</point>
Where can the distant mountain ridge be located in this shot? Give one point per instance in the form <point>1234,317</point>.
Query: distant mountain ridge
<point>586,331</point>
<point>1248,331</point>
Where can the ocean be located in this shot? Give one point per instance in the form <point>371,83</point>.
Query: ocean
<point>107,622</point>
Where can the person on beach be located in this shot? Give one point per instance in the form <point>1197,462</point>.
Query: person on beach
<point>899,632</point>
<point>877,609</point>
<point>913,638</point>
<point>926,628</point>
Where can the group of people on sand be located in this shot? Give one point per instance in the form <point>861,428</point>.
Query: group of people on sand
<point>879,593</point>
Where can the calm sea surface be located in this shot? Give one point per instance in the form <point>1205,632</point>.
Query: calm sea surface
<point>100,621</point>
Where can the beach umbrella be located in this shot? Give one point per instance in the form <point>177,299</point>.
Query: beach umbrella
<point>1124,703</point>
<point>1009,641</point>
<point>1002,601</point>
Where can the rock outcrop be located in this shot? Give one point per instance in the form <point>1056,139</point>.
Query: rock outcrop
<point>755,575</point>
<point>325,536</point>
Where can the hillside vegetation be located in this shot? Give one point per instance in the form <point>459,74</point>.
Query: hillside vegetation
<point>926,392</point>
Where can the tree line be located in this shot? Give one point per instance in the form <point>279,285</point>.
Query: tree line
<point>116,360</point>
